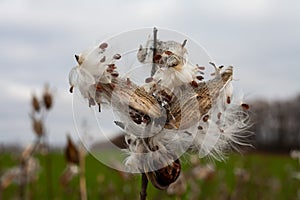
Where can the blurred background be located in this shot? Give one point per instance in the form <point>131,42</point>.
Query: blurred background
<point>39,39</point>
<point>260,38</point>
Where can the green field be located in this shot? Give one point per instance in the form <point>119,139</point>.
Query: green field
<point>263,176</point>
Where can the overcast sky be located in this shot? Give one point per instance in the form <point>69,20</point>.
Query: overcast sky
<point>38,40</point>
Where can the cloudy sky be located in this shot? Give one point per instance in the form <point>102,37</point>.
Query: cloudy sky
<point>38,40</point>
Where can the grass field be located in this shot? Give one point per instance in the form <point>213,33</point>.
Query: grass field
<point>251,176</point>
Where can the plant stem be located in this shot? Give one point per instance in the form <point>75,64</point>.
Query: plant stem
<point>153,70</point>
<point>48,169</point>
<point>82,180</point>
<point>143,193</point>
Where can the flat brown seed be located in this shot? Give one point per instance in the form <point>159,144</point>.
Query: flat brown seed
<point>169,53</point>
<point>200,78</point>
<point>194,84</point>
<point>103,59</point>
<point>98,87</point>
<point>200,67</point>
<point>219,115</point>
<point>71,89</point>
<point>77,58</point>
<point>117,56</point>
<point>115,74</point>
<point>205,118</point>
<point>128,81</point>
<point>112,66</point>
<point>103,45</point>
<point>245,106</point>
<point>157,57</point>
<point>228,100</point>
<point>148,80</point>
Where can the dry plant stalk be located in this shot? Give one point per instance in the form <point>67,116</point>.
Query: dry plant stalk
<point>75,159</point>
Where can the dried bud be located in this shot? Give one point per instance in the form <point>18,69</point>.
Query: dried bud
<point>47,97</point>
<point>38,127</point>
<point>71,152</point>
<point>35,104</point>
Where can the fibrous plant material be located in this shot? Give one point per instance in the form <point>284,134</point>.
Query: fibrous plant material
<point>177,108</point>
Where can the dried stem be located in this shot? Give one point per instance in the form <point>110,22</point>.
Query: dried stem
<point>49,173</point>
<point>143,193</point>
<point>23,163</point>
<point>82,181</point>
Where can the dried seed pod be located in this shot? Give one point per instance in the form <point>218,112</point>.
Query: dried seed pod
<point>47,98</point>
<point>163,177</point>
<point>71,152</point>
<point>35,104</point>
<point>38,127</point>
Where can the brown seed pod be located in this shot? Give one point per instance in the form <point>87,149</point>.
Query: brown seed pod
<point>47,98</point>
<point>71,152</point>
<point>163,177</point>
<point>35,104</point>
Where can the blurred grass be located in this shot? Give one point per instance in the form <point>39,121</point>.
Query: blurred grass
<point>270,177</point>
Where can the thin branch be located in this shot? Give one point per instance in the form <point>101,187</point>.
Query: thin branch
<point>143,193</point>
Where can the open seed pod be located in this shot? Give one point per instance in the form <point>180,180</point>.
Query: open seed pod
<point>163,177</point>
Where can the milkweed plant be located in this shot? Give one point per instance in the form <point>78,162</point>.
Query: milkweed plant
<point>178,108</point>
